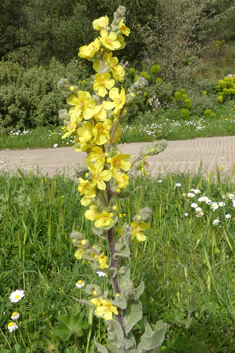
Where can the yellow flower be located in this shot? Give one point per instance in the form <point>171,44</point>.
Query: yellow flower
<point>88,189</point>
<point>71,128</point>
<point>109,41</point>
<point>88,51</point>
<point>125,30</point>
<point>84,105</point>
<point>117,135</point>
<point>96,156</point>
<point>99,113</point>
<point>121,40</point>
<point>101,132</point>
<point>102,81</point>
<point>111,63</point>
<point>79,253</point>
<point>103,219</point>
<point>120,162</point>
<point>145,164</point>
<point>99,176</point>
<point>102,259</point>
<point>122,180</point>
<point>137,229</point>
<point>85,133</point>
<point>118,99</point>
<point>101,23</point>
<point>106,309</point>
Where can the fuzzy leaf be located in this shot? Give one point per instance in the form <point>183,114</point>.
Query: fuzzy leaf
<point>120,302</point>
<point>116,336</point>
<point>83,301</point>
<point>151,341</point>
<point>100,347</point>
<point>70,324</point>
<point>132,314</point>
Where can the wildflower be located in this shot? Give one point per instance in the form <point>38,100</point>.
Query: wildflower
<point>200,214</point>
<point>12,326</point>
<point>101,274</point>
<point>186,214</point>
<point>16,296</point>
<point>177,185</point>
<point>230,196</point>
<point>104,308</point>
<point>227,216</point>
<point>196,191</point>
<point>183,194</point>
<point>159,181</point>
<point>215,222</point>
<point>80,284</point>
<point>194,205</point>
<point>83,105</point>
<point>15,316</point>
<point>118,100</point>
<point>100,23</point>
<point>221,204</point>
<point>102,83</point>
<point>102,259</point>
<point>109,41</point>
<point>125,30</point>
<point>208,202</point>
<point>191,194</point>
<point>214,206</point>
<point>137,229</point>
<point>198,209</point>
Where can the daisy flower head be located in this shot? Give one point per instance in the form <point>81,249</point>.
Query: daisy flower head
<point>228,216</point>
<point>15,316</point>
<point>198,209</point>
<point>190,194</point>
<point>183,194</point>
<point>12,326</point>
<point>230,196</point>
<point>197,191</point>
<point>215,222</point>
<point>101,274</point>
<point>186,214</point>
<point>208,202</point>
<point>223,196</point>
<point>16,296</point>
<point>194,205</point>
<point>200,214</point>
<point>200,199</point>
<point>177,185</point>
<point>80,284</point>
<point>221,204</point>
<point>214,206</point>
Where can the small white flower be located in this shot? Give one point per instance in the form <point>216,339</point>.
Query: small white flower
<point>80,284</point>
<point>186,214</point>
<point>200,214</point>
<point>194,205</point>
<point>101,274</point>
<point>223,196</point>
<point>233,203</point>
<point>230,196</point>
<point>196,191</point>
<point>16,296</point>
<point>200,199</point>
<point>177,185</point>
<point>214,206</point>
<point>190,194</point>
<point>215,222</point>
<point>221,204</point>
<point>198,209</point>
<point>227,216</point>
<point>15,316</point>
<point>183,194</point>
<point>12,326</point>
<point>55,145</point>
<point>208,202</point>
<point>159,181</point>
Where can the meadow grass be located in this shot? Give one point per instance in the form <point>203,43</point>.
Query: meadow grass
<point>187,262</point>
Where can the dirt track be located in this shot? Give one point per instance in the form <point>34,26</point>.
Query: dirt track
<point>184,156</point>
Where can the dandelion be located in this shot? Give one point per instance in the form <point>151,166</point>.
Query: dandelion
<point>16,296</point>
<point>227,216</point>
<point>194,205</point>
<point>177,185</point>
<point>101,274</point>
<point>15,316</point>
<point>80,284</point>
<point>191,194</point>
<point>12,326</point>
<point>215,222</point>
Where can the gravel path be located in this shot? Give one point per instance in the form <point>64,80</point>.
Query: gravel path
<point>183,156</point>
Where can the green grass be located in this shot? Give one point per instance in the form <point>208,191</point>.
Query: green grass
<point>187,263</point>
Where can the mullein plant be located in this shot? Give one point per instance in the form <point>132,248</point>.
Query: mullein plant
<point>95,121</point>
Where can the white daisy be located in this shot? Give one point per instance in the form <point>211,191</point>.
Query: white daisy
<point>101,274</point>
<point>230,196</point>
<point>227,216</point>
<point>177,185</point>
<point>200,214</point>
<point>221,204</point>
<point>80,284</point>
<point>200,199</point>
<point>186,214</point>
<point>15,316</point>
<point>205,198</point>
<point>198,209</point>
<point>196,191</point>
<point>190,194</point>
<point>183,194</point>
<point>215,222</point>
<point>214,206</point>
<point>223,196</point>
<point>208,202</point>
<point>16,296</point>
<point>194,205</point>
<point>12,326</point>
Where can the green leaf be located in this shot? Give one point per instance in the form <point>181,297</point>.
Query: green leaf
<point>132,314</point>
<point>151,341</point>
<point>71,324</point>
<point>116,336</point>
<point>100,347</point>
